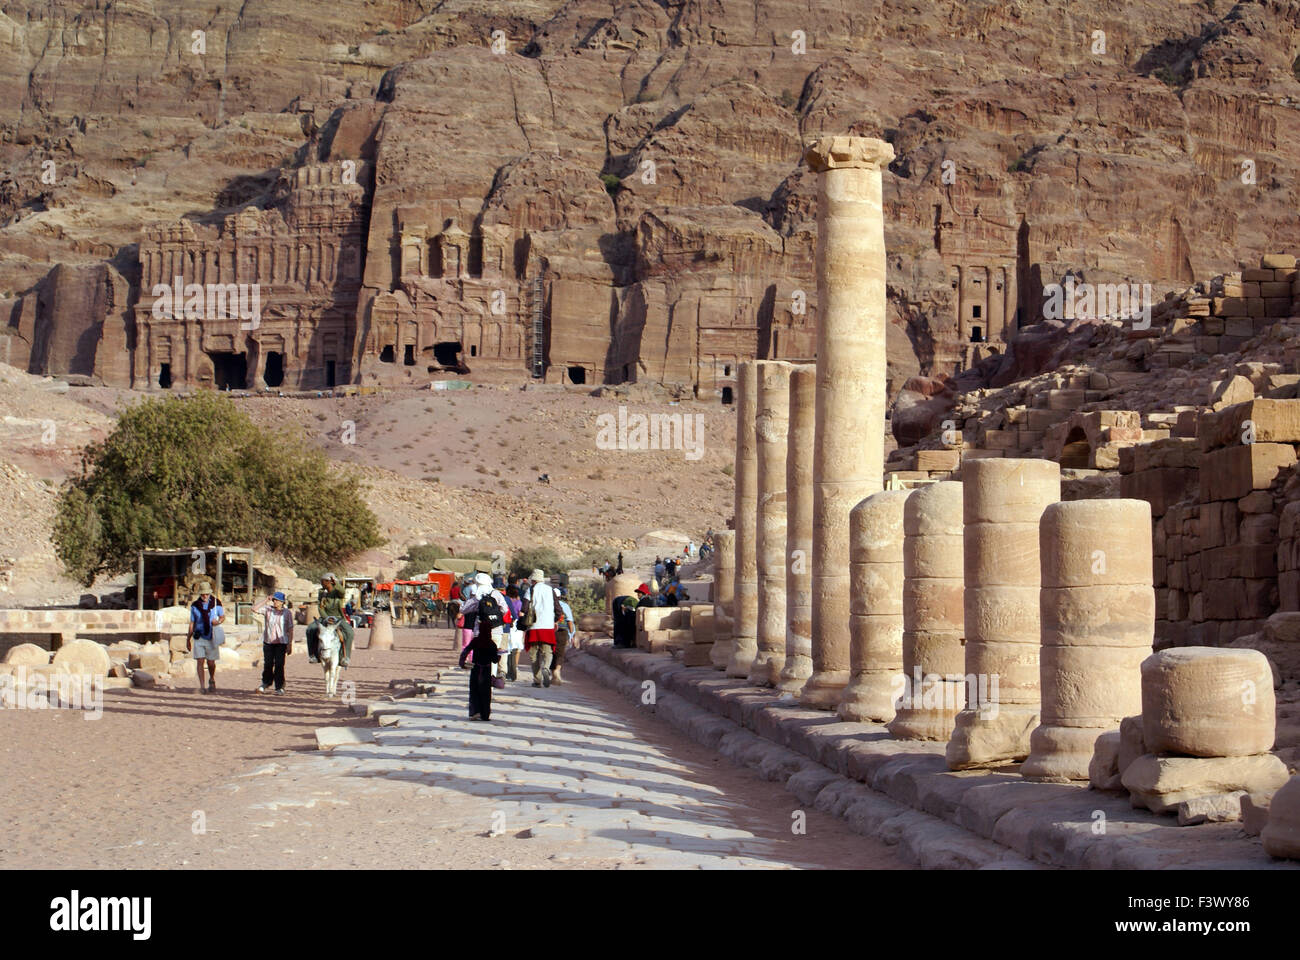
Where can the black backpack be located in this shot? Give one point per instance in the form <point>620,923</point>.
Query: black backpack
<point>489,613</point>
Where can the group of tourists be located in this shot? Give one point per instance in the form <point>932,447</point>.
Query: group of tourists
<point>531,617</point>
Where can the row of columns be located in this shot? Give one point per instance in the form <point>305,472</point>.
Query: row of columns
<point>984,613</point>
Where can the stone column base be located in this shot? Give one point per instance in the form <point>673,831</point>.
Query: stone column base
<point>869,698</point>
<point>990,739</point>
<point>823,690</point>
<point>1062,754</point>
<point>795,674</point>
<point>743,652</point>
<point>765,671</point>
<point>697,655</point>
<point>720,655</point>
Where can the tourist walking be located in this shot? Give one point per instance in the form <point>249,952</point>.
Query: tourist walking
<point>515,640</point>
<point>566,629</point>
<point>490,612</point>
<point>539,620</point>
<point>205,635</point>
<point>485,655</point>
<point>330,604</point>
<point>277,640</point>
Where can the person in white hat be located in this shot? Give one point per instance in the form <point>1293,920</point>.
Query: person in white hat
<point>539,620</point>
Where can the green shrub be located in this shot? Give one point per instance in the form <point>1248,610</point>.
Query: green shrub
<point>587,596</point>
<point>612,183</point>
<point>527,559</point>
<point>189,471</point>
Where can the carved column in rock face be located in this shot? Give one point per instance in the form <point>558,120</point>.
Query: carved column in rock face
<point>724,592</point>
<point>933,688</point>
<point>1004,501</point>
<point>798,529</point>
<point>771,429</point>
<point>745,615</point>
<point>876,625</point>
<point>1098,612</point>
<point>848,462</point>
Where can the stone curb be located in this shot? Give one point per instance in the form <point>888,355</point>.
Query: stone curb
<point>921,838</point>
<point>993,815</point>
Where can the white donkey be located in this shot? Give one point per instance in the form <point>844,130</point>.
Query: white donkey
<point>330,653</point>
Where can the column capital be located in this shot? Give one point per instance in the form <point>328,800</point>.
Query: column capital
<point>840,152</point>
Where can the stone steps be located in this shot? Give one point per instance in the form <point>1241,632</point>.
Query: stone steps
<point>902,791</point>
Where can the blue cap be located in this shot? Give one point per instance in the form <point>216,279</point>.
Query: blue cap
<point>278,596</point>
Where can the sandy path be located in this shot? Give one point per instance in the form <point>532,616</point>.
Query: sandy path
<point>574,777</point>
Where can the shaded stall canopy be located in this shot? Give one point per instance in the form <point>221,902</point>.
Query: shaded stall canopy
<point>169,578</point>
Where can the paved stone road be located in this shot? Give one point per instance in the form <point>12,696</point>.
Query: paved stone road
<point>565,776</point>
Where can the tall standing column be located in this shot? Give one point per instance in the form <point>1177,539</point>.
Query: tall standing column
<point>933,588</point>
<point>848,460</point>
<point>876,627</point>
<point>1004,500</point>
<point>1098,613</point>
<point>724,592</point>
<point>798,529</point>
<point>745,624</point>
<point>771,430</point>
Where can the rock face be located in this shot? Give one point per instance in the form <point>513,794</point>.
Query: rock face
<point>480,133</point>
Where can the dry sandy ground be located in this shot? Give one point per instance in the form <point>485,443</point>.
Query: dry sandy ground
<point>126,790</point>
<point>458,468</point>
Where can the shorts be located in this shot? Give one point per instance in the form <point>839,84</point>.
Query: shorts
<point>206,650</point>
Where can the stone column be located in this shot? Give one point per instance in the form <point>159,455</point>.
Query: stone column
<point>933,687</point>
<point>724,592</point>
<point>745,613</point>
<point>381,631</point>
<point>798,530</point>
<point>1004,501</point>
<point>848,460</point>
<point>876,624</point>
<point>1098,613</point>
<point>771,428</point>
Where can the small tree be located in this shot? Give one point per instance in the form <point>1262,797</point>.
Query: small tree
<point>189,471</point>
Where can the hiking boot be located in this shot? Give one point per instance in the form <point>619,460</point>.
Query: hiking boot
<point>261,689</point>
<point>280,691</point>
<point>536,682</point>
<point>546,677</point>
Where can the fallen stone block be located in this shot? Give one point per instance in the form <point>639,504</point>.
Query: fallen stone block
<point>1214,808</point>
<point>1161,783</point>
<point>1103,769</point>
<point>27,655</point>
<point>1254,813</point>
<point>144,679</point>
